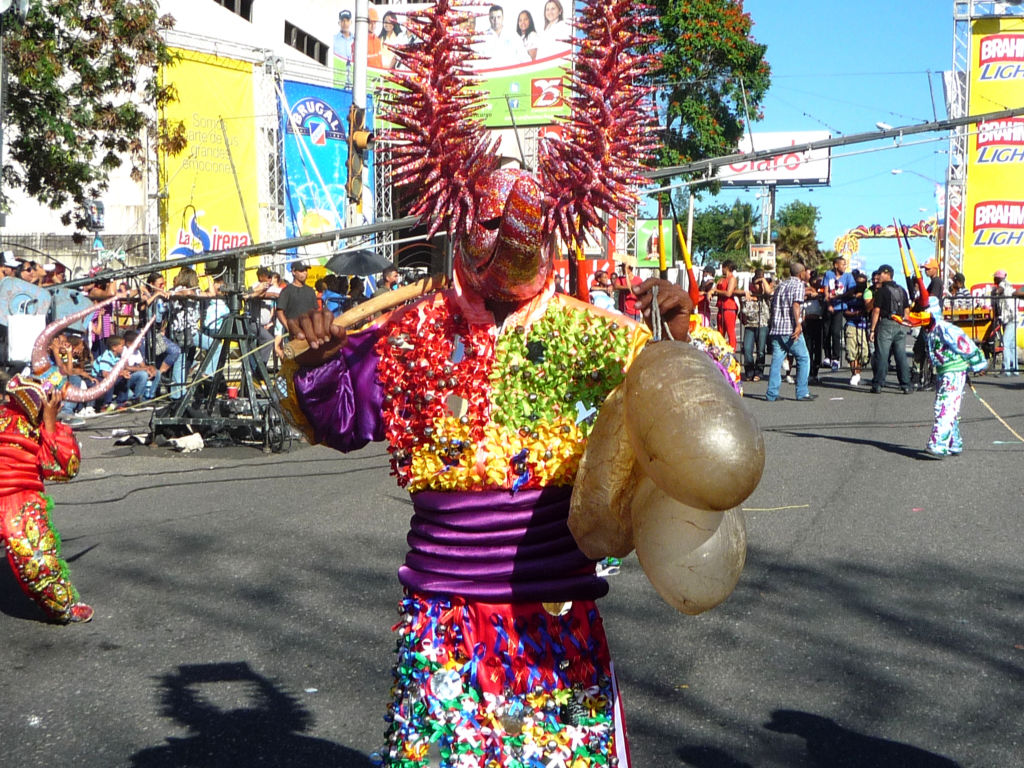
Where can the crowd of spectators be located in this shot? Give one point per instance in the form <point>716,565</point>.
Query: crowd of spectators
<point>841,317</point>
<point>187,315</point>
<point>844,319</point>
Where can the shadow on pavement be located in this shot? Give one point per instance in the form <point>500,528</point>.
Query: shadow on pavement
<point>902,450</point>
<point>917,660</point>
<point>829,745</point>
<point>267,732</point>
<point>14,602</point>
<point>708,757</point>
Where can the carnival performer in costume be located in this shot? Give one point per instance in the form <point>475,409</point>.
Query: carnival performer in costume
<point>35,447</point>
<point>486,394</point>
<point>953,356</point>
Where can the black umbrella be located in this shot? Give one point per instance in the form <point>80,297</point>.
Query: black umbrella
<point>358,263</point>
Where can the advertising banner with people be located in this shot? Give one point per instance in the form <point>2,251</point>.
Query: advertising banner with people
<point>211,187</point>
<point>314,129</point>
<point>524,48</point>
<point>647,238</point>
<point>994,216</point>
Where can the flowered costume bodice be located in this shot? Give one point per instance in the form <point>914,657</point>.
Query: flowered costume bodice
<point>951,350</point>
<point>479,416</point>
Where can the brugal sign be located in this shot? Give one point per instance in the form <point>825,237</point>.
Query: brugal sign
<point>793,166</point>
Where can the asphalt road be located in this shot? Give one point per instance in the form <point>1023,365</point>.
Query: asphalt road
<point>244,605</point>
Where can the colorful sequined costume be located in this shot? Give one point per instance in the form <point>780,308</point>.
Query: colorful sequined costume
<point>29,453</point>
<point>953,355</point>
<point>502,657</point>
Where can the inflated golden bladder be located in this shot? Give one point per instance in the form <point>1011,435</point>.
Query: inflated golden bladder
<point>692,557</point>
<point>599,514</point>
<point>689,429</point>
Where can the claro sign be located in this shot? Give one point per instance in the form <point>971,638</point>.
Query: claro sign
<point>789,166</point>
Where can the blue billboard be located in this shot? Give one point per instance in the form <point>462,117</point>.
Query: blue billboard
<point>314,127</point>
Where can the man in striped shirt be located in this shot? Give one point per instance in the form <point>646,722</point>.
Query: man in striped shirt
<point>786,335</point>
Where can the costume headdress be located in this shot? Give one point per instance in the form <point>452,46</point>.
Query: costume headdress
<point>27,394</point>
<point>502,221</point>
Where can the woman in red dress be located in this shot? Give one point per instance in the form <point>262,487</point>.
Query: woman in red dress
<point>728,307</point>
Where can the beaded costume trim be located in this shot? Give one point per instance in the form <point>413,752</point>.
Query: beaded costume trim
<point>479,407</point>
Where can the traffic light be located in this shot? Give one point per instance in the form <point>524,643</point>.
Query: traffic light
<point>359,141</point>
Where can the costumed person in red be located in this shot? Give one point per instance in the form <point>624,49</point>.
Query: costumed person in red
<point>34,447</point>
<point>493,396</point>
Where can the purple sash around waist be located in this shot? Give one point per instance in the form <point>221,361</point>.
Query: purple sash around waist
<point>497,547</point>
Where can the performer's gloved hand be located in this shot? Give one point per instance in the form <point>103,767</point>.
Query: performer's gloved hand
<point>317,329</point>
<point>673,302</point>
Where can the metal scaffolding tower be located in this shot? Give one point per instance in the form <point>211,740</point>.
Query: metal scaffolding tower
<point>958,93</point>
<point>383,201</point>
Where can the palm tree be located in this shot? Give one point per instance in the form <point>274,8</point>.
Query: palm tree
<point>740,227</point>
<point>796,241</point>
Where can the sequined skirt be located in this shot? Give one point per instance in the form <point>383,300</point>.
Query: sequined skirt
<point>485,685</point>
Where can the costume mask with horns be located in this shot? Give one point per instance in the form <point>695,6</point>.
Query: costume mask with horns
<point>41,360</point>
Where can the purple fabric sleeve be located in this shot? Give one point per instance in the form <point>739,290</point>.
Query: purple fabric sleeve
<point>342,398</point>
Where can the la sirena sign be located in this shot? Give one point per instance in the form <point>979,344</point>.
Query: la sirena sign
<point>792,165</point>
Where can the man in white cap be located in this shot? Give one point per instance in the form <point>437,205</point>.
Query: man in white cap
<point>343,39</point>
<point>8,264</point>
<point>1004,305</point>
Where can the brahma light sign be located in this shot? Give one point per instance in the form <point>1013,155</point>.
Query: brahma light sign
<point>792,166</point>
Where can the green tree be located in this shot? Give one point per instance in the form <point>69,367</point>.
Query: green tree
<point>710,227</point>
<point>796,240</point>
<point>83,93</point>
<point>742,224</point>
<point>710,60</point>
<point>798,214</point>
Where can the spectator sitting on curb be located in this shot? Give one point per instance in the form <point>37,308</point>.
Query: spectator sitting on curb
<point>130,387</point>
<point>136,362</point>
<point>602,293</point>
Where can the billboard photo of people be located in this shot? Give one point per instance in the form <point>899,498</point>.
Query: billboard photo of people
<point>647,242</point>
<point>523,45</point>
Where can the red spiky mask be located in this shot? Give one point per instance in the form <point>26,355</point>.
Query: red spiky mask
<point>503,255</point>
<point>504,221</point>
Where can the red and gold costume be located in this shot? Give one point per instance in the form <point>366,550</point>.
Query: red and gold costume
<point>29,454</point>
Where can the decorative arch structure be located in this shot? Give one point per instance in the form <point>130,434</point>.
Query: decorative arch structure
<point>848,244</point>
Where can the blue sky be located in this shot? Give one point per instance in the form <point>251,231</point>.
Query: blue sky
<point>843,67</point>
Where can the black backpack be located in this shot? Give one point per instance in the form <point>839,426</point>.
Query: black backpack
<point>898,298</point>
